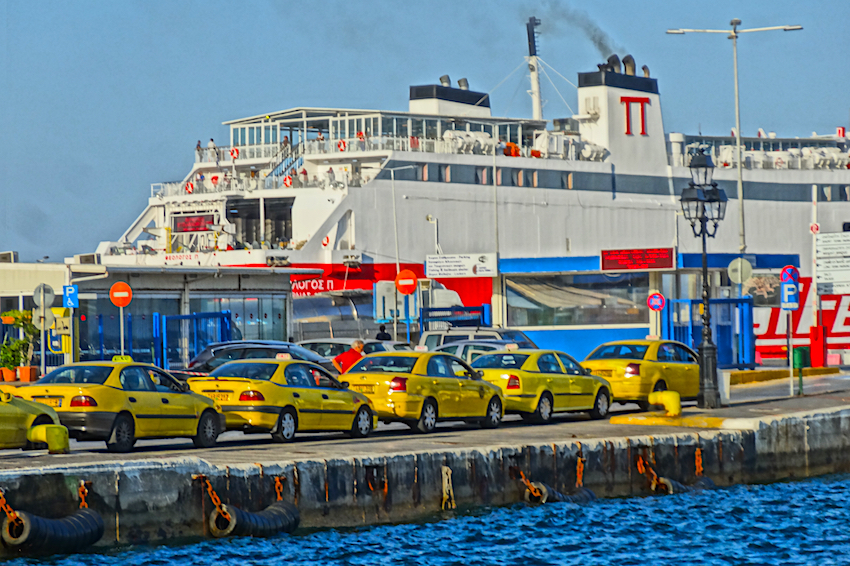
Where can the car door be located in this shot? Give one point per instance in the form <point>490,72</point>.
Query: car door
<point>669,368</point>
<point>338,406</point>
<point>179,415</point>
<point>690,371</point>
<point>145,400</point>
<point>473,396</point>
<point>13,430</point>
<point>549,375</point>
<point>582,386</point>
<point>444,385</point>
<point>307,398</point>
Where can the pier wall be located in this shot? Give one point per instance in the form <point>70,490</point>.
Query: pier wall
<point>157,500</point>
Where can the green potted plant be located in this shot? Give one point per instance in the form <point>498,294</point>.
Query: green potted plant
<point>19,352</point>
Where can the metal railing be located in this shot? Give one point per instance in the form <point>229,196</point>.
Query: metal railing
<point>223,153</point>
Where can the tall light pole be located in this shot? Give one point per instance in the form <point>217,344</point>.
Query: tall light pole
<point>703,204</point>
<point>733,35</point>
<point>392,171</point>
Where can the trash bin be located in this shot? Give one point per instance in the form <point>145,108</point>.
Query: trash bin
<point>802,357</point>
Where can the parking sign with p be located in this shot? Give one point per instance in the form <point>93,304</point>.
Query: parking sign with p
<point>789,288</point>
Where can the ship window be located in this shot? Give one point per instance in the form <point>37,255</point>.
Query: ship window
<point>431,129</point>
<point>534,179</point>
<point>499,176</point>
<point>402,127</point>
<point>517,178</point>
<point>416,128</point>
<point>445,173</point>
<point>566,180</point>
<point>387,126</point>
<point>482,175</point>
<point>421,172</point>
<point>250,136</point>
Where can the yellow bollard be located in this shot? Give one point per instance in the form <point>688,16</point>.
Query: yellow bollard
<point>55,436</point>
<point>670,400</point>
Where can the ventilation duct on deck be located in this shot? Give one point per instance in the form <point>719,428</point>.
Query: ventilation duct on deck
<point>645,70</point>
<point>629,65</point>
<point>614,63</point>
<point>445,81</point>
<point>463,84</point>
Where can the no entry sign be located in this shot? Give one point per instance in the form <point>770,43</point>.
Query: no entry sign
<point>405,282</point>
<point>120,294</point>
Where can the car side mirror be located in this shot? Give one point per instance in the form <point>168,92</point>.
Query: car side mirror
<point>184,387</point>
<point>479,374</point>
<point>345,384</point>
<point>587,371</point>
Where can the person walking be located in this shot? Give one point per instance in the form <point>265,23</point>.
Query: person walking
<point>383,334</point>
<point>345,360</point>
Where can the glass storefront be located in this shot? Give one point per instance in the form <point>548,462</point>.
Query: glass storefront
<point>572,300</point>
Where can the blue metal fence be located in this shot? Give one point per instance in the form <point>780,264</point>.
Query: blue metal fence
<point>181,337</point>
<point>731,328</point>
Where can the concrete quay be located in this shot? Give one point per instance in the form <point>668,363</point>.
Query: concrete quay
<point>150,496</point>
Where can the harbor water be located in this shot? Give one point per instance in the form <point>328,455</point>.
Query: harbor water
<point>804,522</point>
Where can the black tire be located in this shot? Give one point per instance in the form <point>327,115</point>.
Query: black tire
<point>208,431</point>
<point>428,417</point>
<point>660,385</point>
<point>287,425</point>
<point>493,418</point>
<point>601,405</point>
<point>362,425</point>
<point>39,420</point>
<point>123,435</point>
<point>545,407</point>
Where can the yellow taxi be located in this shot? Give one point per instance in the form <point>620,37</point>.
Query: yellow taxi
<point>18,415</point>
<point>282,396</point>
<point>538,383</point>
<point>422,388</point>
<point>119,402</point>
<point>636,368</point>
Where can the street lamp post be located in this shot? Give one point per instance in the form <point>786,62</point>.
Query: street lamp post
<point>733,35</point>
<point>704,206</point>
<point>392,171</point>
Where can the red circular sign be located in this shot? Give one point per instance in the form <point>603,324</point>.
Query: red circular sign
<point>814,228</point>
<point>405,282</point>
<point>655,301</point>
<point>120,294</point>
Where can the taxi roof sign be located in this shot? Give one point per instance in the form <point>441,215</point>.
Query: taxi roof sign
<point>122,358</point>
<point>510,347</point>
<point>283,356</point>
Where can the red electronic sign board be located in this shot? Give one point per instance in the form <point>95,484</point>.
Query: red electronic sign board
<point>198,223</point>
<point>639,260</point>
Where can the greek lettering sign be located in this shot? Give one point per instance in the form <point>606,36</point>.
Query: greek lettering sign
<point>461,265</point>
<point>651,259</point>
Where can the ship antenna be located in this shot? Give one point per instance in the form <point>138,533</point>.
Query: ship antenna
<point>536,104</point>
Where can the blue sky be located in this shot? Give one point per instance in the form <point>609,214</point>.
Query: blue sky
<point>99,99</point>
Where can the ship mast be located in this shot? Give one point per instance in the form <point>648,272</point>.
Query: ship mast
<point>536,104</point>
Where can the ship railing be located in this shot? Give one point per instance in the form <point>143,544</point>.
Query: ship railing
<point>224,154</point>
<point>208,184</point>
<point>395,143</point>
<point>805,158</point>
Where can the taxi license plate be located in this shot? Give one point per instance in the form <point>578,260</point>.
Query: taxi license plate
<point>219,396</point>
<point>365,388</point>
<point>50,401</point>
<point>604,372</point>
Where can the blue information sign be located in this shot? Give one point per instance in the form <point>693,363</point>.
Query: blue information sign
<point>790,296</point>
<point>70,297</point>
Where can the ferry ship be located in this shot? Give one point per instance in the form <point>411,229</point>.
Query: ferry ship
<point>363,193</point>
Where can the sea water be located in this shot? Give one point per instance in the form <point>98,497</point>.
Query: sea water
<point>805,522</point>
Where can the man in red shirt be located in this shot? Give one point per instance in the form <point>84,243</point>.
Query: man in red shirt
<point>345,360</point>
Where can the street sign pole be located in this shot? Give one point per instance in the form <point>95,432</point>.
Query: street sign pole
<point>43,318</point>
<point>790,356</point>
<point>121,314</point>
<point>71,333</point>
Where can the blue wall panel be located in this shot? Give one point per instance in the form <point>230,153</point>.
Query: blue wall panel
<point>580,342</point>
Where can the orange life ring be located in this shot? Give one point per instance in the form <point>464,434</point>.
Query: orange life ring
<point>287,181</point>
<point>190,187</point>
<point>361,136</point>
<point>341,145</point>
<point>234,153</point>
<point>326,240</point>
<point>214,180</point>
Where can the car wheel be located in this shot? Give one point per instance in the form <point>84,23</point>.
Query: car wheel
<point>39,420</point>
<point>428,418</point>
<point>494,414</point>
<point>207,431</point>
<point>362,426</point>
<point>123,435</point>
<point>287,424</point>
<point>543,413</point>
<point>660,385</point>
<point>602,405</point>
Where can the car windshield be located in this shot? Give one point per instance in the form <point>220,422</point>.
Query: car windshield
<point>500,361</point>
<point>77,375</point>
<point>246,370</point>
<point>384,364</point>
<point>619,352</point>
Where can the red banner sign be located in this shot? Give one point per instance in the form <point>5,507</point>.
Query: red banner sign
<point>638,260</point>
<point>199,223</point>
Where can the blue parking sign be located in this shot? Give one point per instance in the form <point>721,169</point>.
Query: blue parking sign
<point>70,297</point>
<point>789,296</point>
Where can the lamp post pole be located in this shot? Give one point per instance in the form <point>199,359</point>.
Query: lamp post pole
<point>733,35</point>
<point>709,397</point>
<point>395,232</point>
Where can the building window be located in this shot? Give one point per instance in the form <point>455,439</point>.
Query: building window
<point>568,300</point>
<point>482,175</point>
<point>421,172</point>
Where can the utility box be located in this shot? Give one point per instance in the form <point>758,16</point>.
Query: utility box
<point>802,357</point>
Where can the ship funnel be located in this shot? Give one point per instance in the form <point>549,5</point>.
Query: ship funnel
<point>445,81</point>
<point>629,65</point>
<point>645,70</point>
<point>614,64</point>
<point>463,84</point>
